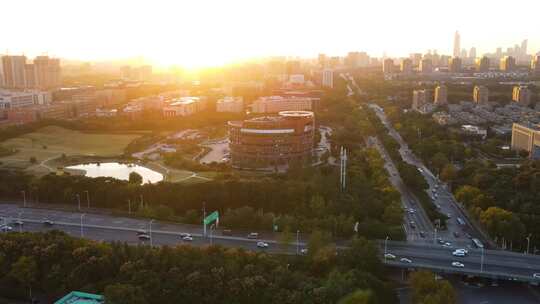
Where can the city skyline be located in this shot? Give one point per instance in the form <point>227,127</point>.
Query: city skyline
<point>187,34</point>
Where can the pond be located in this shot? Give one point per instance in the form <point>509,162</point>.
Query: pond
<point>118,171</point>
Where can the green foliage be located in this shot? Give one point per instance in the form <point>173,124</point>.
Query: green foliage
<point>135,178</point>
<point>56,263</point>
<point>358,297</point>
<point>426,289</point>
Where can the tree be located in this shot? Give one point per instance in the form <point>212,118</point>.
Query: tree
<point>135,178</point>
<point>426,289</point>
<point>285,238</point>
<point>25,271</point>
<point>448,173</point>
<point>360,296</point>
<point>124,294</point>
<point>439,160</point>
<point>33,160</point>
<point>502,223</point>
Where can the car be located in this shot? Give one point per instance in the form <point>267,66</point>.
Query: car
<point>447,244</point>
<point>405,260</point>
<point>536,275</point>
<point>141,231</point>
<point>422,234</point>
<point>18,222</point>
<point>412,211</point>
<point>440,241</point>
<point>458,253</point>
<point>6,228</point>
<point>389,256</point>
<point>457,264</point>
<point>463,250</point>
<point>468,235</point>
<point>449,215</point>
<point>184,234</point>
<point>303,251</point>
<point>262,245</point>
<point>253,235</point>
<point>456,234</point>
<point>412,224</point>
<point>143,237</point>
<point>48,222</point>
<point>187,238</point>
<point>438,206</point>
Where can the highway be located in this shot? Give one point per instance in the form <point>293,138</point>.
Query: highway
<point>441,196</point>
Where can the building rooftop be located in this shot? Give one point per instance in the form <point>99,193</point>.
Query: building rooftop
<point>184,100</point>
<point>78,297</point>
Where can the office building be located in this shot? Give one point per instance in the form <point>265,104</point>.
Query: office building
<point>13,68</point>
<point>441,95</point>
<point>508,64</point>
<point>482,64</point>
<point>406,66</point>
<point>420,98</point>
<point>526,138</point>
<point>230,104</point>
<point>15,99</point>
<point>426,66</point>
<point>270,141</point>
<point>276,104</point>
<point>328,78</point>
<point>521,95</point>
<point>454,65</point>
<point>472,53</point>
<point>535,64</point>
<point>388,66</point>
<point>457,44</point>
<point>184,106</point>
<point>480,94</point>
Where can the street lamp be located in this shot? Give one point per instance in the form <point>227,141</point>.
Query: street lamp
<point>24,198</point>
<point>528,242</point>
<point>79,201</point>
<point>82,227</point>
<point>150,229</point>
<point>482,260</point>
<point>87,198</point>
<point>20,222</point>
<point>297,242</point>
<point>212,227</point>
<point>385,247</point>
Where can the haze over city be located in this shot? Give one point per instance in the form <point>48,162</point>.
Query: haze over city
<point>207,33</point>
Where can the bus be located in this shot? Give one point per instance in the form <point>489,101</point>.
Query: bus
<point>460,221</point>
<point>477,243</point>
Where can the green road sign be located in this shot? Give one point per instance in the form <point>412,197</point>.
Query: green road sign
<point>210,218</point>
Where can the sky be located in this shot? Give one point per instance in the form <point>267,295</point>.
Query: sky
<point>214,32</point>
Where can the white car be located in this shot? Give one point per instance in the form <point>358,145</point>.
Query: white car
<point>18,223</point>
<point>187,238</point>
<point>184,234</point>
<point>459,253</point>
<point>303,251</point>
<point>48,222</point>
<point>6,228</point>
<point>463,250</point>
<point>390,256</point>
<point>457,264</point>
<point>405,260</point>
<point>262,245</point>
<point>143,237</point>
<point>536,275</point>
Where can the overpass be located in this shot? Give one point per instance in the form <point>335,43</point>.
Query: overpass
<point>492,264</point>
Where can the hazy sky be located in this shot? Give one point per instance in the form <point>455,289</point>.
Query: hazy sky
<point>206,32</point>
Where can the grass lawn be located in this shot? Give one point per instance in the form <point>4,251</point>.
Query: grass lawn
<point>60,141</point>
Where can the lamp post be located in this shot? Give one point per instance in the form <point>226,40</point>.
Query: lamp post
<point>24,198</point>
<point>79,201</point>
<point>212,227</point>
<point>385,247</point>
<point>297,242</point>
<point>82,225</point>
<point>150,229</point>
<point>482,260</point>
<point>528,242</point>
<point>87,198</point>
<point>20,222</point>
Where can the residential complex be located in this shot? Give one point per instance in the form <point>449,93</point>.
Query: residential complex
<point>508,64</point>
<point>388,66</point>
<point>521,95</point>
<point>526,138</point>
<point>441,95</point>
<point>328,78</point>
<point>184,106</point>
<point>480,94</point>
<point>230,104</point>
<point>275,104</point>
<point>43,73</point>
<point>272,140</point>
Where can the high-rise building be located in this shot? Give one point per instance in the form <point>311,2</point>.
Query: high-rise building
<point>416,57</point>
<point>13,69</point>
<point>323,60</point>
<point>526,138</point>
<point>454,65</point>
<point>472,53</point>
<point>441,95</point>
<point>523,49</point>
<point>328,78</point>
<point>406,66</point>
<point>480,94</point>
<point>426,66</point>
<point>521,95</point>
<point>420,98</point>
<point>47,72</point>
<point>29,76</point>
<point>482,64</point>
<point>508,64</point>
<point>457,44</point>
<point>388,66</point>
<point>535,64</point>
